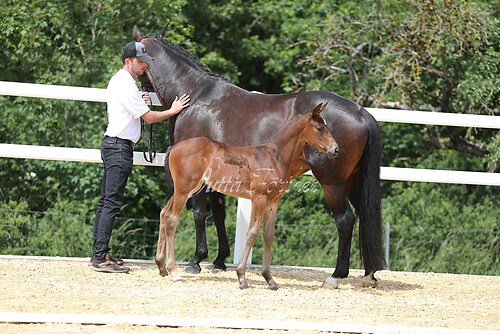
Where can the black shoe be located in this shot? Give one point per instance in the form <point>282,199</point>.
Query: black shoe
<point>107,266</point>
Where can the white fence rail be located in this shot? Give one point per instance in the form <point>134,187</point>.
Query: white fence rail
<point>382,115</point>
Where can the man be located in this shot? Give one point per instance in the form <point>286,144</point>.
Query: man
<point>126,106</point>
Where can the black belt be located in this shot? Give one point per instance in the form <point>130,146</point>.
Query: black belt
<point>120,140</point>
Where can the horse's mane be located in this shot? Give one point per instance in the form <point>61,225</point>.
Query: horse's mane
<point>186,54</point>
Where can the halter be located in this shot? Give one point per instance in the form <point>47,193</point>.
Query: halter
<point>148,133</point>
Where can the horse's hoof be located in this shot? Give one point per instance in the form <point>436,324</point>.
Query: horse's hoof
<point>369,282</point>
<point>330,283</point>
<point>219,265</point>
<point>192,268</point>
<point>214,269</point>
<point>243,285</point>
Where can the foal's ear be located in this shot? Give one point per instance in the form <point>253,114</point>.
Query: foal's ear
<point>319,108</point>
<point>315,113</point>
<point>137,33</point>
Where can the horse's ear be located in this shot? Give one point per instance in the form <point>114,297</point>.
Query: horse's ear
<point>164,30</point>
<point>137,33</point>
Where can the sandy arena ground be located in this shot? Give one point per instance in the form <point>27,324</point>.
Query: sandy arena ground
<point>401,299</point>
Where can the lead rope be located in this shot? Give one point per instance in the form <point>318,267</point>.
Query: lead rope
<point>148,133</point>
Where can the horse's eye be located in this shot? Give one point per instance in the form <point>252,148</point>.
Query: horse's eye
<point>319,127</point>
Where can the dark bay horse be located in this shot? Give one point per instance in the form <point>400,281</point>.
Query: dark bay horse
<point>227,113</point>
<point>260,173</point>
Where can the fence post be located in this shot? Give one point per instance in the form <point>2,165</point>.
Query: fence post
<point>387,239</point>
<point>242,222</point>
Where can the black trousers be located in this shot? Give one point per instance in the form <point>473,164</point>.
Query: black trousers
<point>117,155</point>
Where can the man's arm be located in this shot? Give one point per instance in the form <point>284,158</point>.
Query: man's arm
<point>151,117</point>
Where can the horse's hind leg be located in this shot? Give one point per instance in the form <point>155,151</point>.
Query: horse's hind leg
<point>369,280</point>
<point>269,233</point>
<point>218,205</point>
<point>199,214</point>
<point>336,198</point>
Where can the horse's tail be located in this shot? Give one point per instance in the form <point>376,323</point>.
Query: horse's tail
<point>369,206</point>
<point>168,174</point>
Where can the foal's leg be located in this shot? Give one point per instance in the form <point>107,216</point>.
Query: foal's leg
<point>269,233</point>
<point>218,204</point>
<point>169,219</point>
<point>162,240</point>
<point>252,234</point>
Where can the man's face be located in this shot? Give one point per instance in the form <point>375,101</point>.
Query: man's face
<point>137,67</point>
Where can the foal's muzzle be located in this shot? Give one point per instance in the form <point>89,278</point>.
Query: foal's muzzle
<point>332,151</point>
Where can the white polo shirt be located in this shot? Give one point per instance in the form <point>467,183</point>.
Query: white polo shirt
<point>125,107</point>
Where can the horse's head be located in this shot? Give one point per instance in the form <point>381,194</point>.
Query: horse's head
<point>145,79</point>
<point>165,73</point>
<point>316,133</point>
<point>174,71</point>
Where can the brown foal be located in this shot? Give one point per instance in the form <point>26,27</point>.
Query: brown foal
<point>259,173</point>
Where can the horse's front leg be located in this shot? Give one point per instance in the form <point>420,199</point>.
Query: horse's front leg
<point>251,237</point>
<point>218,205</point>
<point>199,214</point>
<point>337,200</point>
<point>269,233</point>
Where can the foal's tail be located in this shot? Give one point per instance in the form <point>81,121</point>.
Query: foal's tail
<point>368,200</point>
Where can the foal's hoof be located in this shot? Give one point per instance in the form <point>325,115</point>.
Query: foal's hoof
<point>176,277</point>
<point>331,283</point>
<point>369,282</point>
<point>192,268</point>
<point>162,269</point>
<point>270,281</point>
<point>243,285</point>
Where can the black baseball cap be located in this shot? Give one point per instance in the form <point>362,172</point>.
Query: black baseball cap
<point>137,50</point>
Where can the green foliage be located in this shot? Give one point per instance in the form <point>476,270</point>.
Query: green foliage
<point>494,158</point>
<point>15,225</point>
<point>62,230</point>
<point>65,229</point>
<point>430,231</point>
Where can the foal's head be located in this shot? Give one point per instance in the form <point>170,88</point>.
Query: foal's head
<point>317,134</point>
